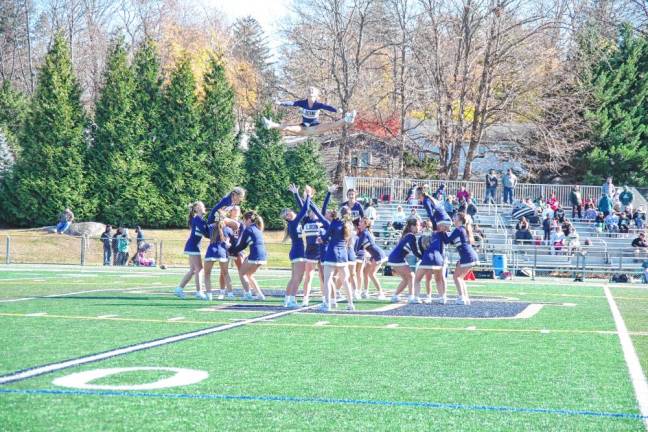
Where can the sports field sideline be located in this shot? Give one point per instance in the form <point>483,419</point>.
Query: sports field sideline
<point>543,355</point>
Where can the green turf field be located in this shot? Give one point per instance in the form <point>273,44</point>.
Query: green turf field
<point>560,369</point>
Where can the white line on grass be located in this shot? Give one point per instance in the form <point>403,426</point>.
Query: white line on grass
<point>36,314</point>
<point>632,360</point>
<point>320,323</point>
<point>392,326</point>
<point>180,318</point>
<point>41,370</point>
<point>107,316</point>
<point>77,292</point>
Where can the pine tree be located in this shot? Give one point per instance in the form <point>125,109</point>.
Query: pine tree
<point>148,91</point>
<point>267,176</point>
<point>7,158</point>
<point>181,159</point>
<point>14,106</point>
<point>122,176</point>
<point>218,126</point>
<point>620,120</point>
<point>305,167</point>
<point>49,175</point>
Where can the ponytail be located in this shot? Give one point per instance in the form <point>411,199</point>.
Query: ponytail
<point>255,218</point>
<point>192,213</point>
<point>408,226</point>
<point>368,223</point>
<point>217,234</point>
<point>467,226</point>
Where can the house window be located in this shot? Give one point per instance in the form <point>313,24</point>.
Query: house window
<point>364,160</point>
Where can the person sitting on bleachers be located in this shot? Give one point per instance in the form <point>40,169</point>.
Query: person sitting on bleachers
<point>559,213</point>
<point>462,194</point>
<point>640,245</point>
<point>590,212</point>
<point>553,201</point>
<point>523,235</point>
<point>557,240</point>
<point>599,222</point>
<point>572,239</point>
<point>639,217</point>
<point>612,223</point>
<point>605,205</point>
<point>450,206</point>
<point>624,223</point>
<point>399,218</point>
<point>414,214</point>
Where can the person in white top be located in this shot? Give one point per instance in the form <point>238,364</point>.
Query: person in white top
<point>557,240</point>
<point>370,211</point>
<point>399,218</point>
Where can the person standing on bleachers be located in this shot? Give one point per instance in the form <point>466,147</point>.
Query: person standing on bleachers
<point>626,197</point>
<point>605,205</point>
<point>608,188</point>
<point>576,201</point>
<point>411,195</point>
<point>491,187</point>
<point>509,181</point>
<point>546,229</point>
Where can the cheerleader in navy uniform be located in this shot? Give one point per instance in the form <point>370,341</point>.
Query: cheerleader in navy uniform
<point>234,222</point>
<point>253,238</point>
<point>435,210</point>
<point>357,212</point>
<point>310,124</point>
<point>297,252</point>
<point>432,263</point>
<point>359,264</point>
<point>336,259</point>
<point>462,238</point>
<point>314,228</point>
<point>220,236</point>
<point>199,230</point>
<point>406,245</point>
<point>345,213</point>
<point>374,260</point>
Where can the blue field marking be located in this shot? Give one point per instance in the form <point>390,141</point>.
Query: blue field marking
<point>327,401</point>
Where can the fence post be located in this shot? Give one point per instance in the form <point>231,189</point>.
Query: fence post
<point>7,257</point>
<point>160,254</point>
<point>535,261</point>
<point>83,244</point>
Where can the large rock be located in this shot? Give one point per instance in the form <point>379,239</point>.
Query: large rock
<point>90,229</point>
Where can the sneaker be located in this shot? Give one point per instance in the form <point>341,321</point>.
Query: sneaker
<point>221,296</point>
<point>356,295</point>
<point>350,117</point>
<point>427,300</point>
<point>200,295</point>
<point>460,301</point>
<point>209,297</point>
<point>413,300</point>
<point>350,307</point>
<point>364,295</point>
<point>323,308</point>
<point>395,298</point>
<point>441,300</point>
<point>304,303</point>
<point>259,297</point>
<point>179,292</point>
<point>247,296</point>
<point>333,304</point>
<point>382,297</point>
<point>292,304</point>
<point>466,301</point>
<point>230,296</point>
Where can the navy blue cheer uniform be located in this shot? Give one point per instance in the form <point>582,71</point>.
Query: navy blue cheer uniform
<point>407,245</point>
<point>467,255</point>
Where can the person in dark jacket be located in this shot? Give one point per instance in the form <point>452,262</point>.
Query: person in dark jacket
<point>106,239</point>
<point>491,187</point>
<point>576,200</point>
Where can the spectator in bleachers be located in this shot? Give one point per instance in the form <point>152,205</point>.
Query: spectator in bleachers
<point>644,266</point>
<point>370,211</point>
<point>590,212</point>
<point>547,226</point>
<point>399,218</point>
<point>547,211</point>
<point>509,181</point>
<point>450,206</point>
<point>572,239</point>
<point>608,188</point>
<point>471,209</point>
<point>559,214</point>
<point>440,193</point>
<point>414,214</point>
<point>626,197</point>
<point>639,217</point>
<point>557,240</point>
<point>523,235</point>
<point>411,195</point>
<point>462,194</point>
<point>605,204</point>
<point>624,223</point>
<point>491,187</point>
<point>612,223</point>
<point>553,201</point>
<point>599,222</point>
<point>523,221</point>
<point>106,239</point>
<point>640,244</point>
<point>576,201</point>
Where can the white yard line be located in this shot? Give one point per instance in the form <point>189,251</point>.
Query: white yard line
<point>631,358</point>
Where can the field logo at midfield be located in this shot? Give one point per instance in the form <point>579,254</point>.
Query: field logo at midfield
<point>82,380</point>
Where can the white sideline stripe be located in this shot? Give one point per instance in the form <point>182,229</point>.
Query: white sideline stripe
<point>36,314</point>
<point>388,307</point>
<point>176,319</point>
<point>392,326</point>
<point>632,360</point>
<point>529,311</point>
<point>545,331</point>
<point>75,293</point>
<point>107,316</point>
<point>471,328</point>
<point>320,323</point>
<point>139,347</point>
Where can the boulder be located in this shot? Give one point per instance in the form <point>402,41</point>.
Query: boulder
<point>77,229</point>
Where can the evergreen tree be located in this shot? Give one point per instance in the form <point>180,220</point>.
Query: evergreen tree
<point>218,126</point>
<point>14,106</point>
<point>122,176</point>
<point>267,176</point>
<point>7,158</point>
<point>305,167</point>
<point>148,91</point>
<point>620,117</point>
<point>180,158</point>
<point>49,175</point>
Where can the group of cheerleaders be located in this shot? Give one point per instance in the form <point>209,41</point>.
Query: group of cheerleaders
<point>338,244</point>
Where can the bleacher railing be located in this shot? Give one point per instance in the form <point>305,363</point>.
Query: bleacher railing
<point>397,188</point>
